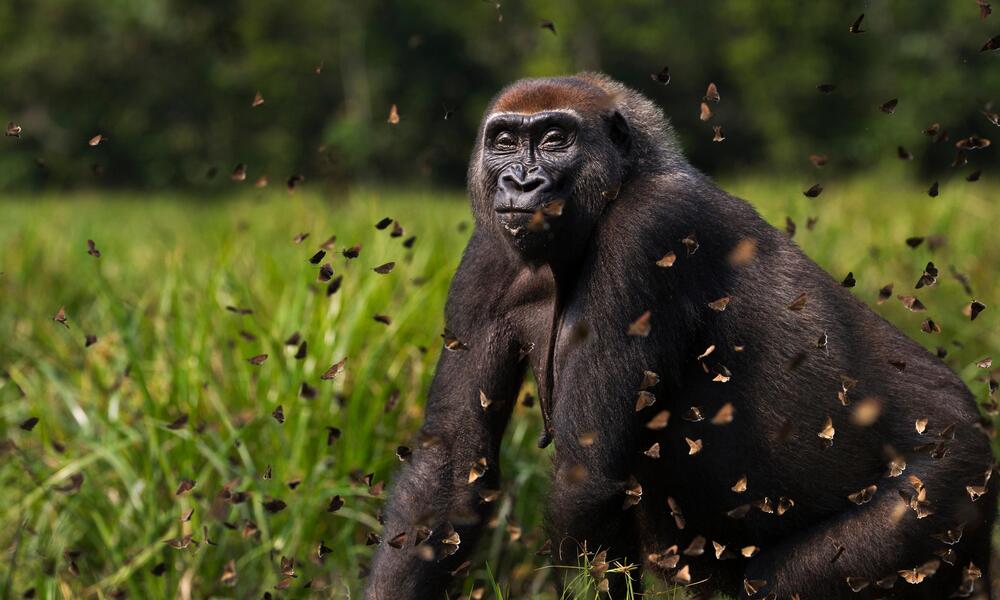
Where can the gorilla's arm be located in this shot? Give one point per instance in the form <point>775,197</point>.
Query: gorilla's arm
<point>441,488</point>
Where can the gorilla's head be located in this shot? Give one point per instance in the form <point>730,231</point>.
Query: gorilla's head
<point>551,154</point>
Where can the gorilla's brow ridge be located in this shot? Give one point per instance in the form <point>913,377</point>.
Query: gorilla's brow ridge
<point>512,113</point>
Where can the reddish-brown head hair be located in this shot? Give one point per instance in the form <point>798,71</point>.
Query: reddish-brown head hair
<point>581,94</point>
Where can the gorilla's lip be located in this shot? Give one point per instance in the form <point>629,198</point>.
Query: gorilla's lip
<point>508,210</point>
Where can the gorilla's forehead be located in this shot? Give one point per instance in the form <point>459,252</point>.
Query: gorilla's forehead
<point>530,96</point>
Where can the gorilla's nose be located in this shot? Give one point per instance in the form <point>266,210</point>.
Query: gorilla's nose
<point>522,189</point>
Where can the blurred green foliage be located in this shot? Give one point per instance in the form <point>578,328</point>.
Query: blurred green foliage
<point>170,83</point>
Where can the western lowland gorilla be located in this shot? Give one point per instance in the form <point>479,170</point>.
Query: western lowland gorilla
<point>723,411</point>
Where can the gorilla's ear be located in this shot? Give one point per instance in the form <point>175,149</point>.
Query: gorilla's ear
<point>618,129</point>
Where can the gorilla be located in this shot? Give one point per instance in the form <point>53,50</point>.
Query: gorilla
<point>724,413</point>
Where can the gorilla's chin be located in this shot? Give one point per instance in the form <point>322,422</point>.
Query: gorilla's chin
<point>531,234</point>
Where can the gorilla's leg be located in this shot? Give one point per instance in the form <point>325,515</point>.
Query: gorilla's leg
<point>885,537</point>
<point>590,507</point>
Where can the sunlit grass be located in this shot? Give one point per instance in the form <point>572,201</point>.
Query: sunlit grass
<point>167,346</point>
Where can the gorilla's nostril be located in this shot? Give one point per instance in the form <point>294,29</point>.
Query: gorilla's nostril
<point>509,182</point>
<point>524,186</point>
<point>532,184</point>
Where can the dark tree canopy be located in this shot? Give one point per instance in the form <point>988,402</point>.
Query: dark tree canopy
<point>170,84</point>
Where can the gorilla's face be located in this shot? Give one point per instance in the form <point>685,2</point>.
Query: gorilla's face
<point>544,173</point>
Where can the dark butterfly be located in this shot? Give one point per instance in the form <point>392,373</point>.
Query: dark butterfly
<point>856,25</point>
<point>814,191</point>
<point>889,106</point>
<point>662,77</point>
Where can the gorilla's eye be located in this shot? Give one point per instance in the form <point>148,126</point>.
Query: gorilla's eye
<point>555,138</point>
<point>505,141</point>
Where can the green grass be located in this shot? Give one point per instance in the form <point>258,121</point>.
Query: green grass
<point>167,346</point>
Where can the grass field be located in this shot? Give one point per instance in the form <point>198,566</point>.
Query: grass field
<point>167,348</point>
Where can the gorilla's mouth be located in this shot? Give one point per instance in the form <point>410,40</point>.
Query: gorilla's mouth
<point>522,221</point>
<point>518,221</point>
<point>510,210</point>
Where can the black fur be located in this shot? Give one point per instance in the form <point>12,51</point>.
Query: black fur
<point>632,201</point>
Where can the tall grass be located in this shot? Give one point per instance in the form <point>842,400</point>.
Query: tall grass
<point>167,347</point>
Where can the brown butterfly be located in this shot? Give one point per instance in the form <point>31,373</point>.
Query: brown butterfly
<point>451,342</point>
<point>706,112</point>
<point>711,94</point>
<point>60,317</point>
<point>984,8</point>
<point>334,370</point>
<point>863,496</point>
<point>239,172</point>
<point>800,302</point>
<point>720,304</point>
<point>668,260</point>
<point>827,433</point>
<point>641,326</point>
<point>912,303</point>
<point>973,142</point>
